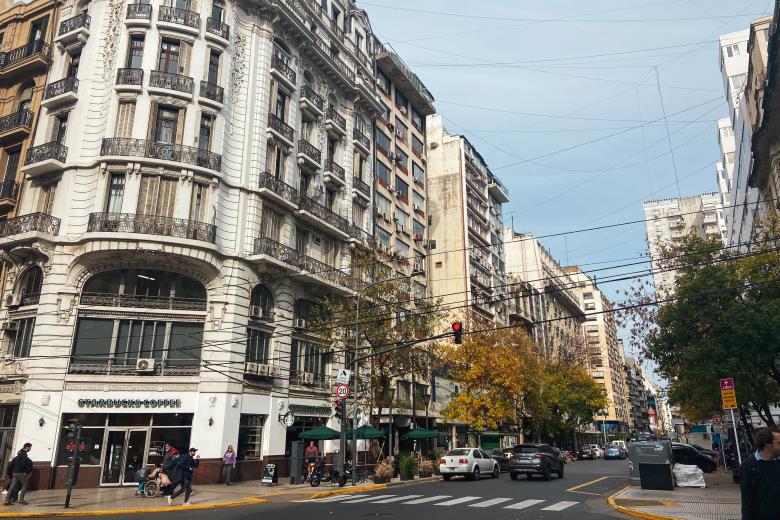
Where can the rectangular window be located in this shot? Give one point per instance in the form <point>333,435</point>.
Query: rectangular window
<point>38,29</point>
<point>125,115</point>
<point>12,165</point>
<point>401,101</point>
<point>250,437</point>
<point>382,142</point>
<point>360,166</point>
<point>401,159</point>
<point>737,81</point>
<point>590,306</point>
<point>402,219</point>
<point>198,202</point>
<point>135,53</point>
<point>116,192</point>
<point>206,129</point>
<point>732,50</point>
<point>401,248</point>
<point>166,125</point>
<point>271,225</point>
<point>401,188</point>
<point>418,203</point>
<point>301,241</point>
<point>418,174</point>
<point>417,146</point>
<point>170,56</point>
<point>401,130</point>
<point>213,76</point>
<point>385,112</point>
<point>384,85</point>
<point>308,357</point>
<point>280,108</point>
<point>218,10</point>
<point>382,205</point>
<point>419,228</point>
<point>358,215</point>
<point>73,66</point>
<point>157,196</point>
<point>383,237</point>
<point>587,295</point>
<point>22,341</point>
<point>257,346</point>
<point>418,121</point>
<point>275,161</point>
<point>46,201</point>
<point>60,128</point>
<point>382,172</point>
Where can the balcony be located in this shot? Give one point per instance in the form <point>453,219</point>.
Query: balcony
<point>361,188</point>
<point>45,158</point>
<point>145,302</point>
<point>171,84</point>
<point>211,94</point>
<point>280,255</point>
<point>360,236</point>
<point>278,190</point>
<point>405,80</point>
<point>335,124</point>
<point>498,191</point>
<point>281,130</point>
<point>138,15</point>
<point>309,157</point>
<point>129,80</point>
<point>282,71</point>
<point>318,382</point>
<point>16,126</point>
<point>61,93</point>
<point>73,33</point>
<point>178,19</point>
<point>322,273</point>
<point>217,31</point>
<point>119,148</point>
<point>312,104</point>
<point>25,60</point>
<point>334,174</point>
<point>151,225</point>
<point>322,217</point>
<point>30,223</point>
<point>123,367</point>
<point>361,141</point>
<point>9,193</point>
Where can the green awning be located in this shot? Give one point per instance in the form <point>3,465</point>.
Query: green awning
<point>367,432</point>
<point>419,434</point>
<point>321,433</point>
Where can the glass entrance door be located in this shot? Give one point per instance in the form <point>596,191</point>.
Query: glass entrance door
<point>134,455</point>
<point>112,460</point>
<point>124,456</point>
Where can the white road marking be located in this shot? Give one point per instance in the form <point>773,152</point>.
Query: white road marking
<point>560,506</point>
<point>427,499</point>
<point>366,499</point>
<point>457,501</point>
<point>491,502</point>
<point>394,499</point>
<point>336,498</point>
<point>524,504</point>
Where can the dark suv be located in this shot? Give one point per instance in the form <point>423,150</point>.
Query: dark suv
<point>535,459</point>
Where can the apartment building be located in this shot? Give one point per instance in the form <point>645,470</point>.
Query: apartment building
<point>604,350</point>
<point>639,420</point>
<point>27,32</point>
<point>468,266</point>
<point>724,169</point>
<point>188,197</point>
<point>668,221</point>
<point>556,305</point>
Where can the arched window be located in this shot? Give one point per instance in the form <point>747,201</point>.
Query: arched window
<point>307,310</point>
<point>144,288</point>
<point>282,51</point>
<point>24,97</point>
<point>261,303</point>
<point>30,285</point>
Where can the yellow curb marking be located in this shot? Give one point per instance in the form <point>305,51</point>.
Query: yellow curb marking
<point>633,512</point>
<point>51,514</point>
<point>573,489</point>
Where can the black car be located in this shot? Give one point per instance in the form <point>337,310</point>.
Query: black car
<point>708,452</point>
<point>586,452</point>
<point>502,457</point>
<point>535,459</point>
<point>687,454</point>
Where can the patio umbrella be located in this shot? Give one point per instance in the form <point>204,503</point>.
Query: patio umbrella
<point>367,432</point>
<point>321,433</point>
<point>419,434</point>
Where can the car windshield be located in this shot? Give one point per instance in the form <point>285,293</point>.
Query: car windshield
<point>458,453</point>
<point>525,449</point>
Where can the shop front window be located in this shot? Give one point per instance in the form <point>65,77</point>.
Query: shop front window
<point>250,437</point>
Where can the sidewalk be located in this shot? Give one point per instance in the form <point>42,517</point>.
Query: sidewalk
<point>109,501</point>
<point>720,500</point>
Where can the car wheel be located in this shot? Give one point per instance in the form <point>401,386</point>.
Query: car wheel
<point>560,472</point>
<point>513,476</point>
<point>446,477</point>
<point>496,471</point>
<point>475,474</point>
<point>546,473</point>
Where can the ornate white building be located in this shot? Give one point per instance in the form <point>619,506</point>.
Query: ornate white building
<point>199,176</point>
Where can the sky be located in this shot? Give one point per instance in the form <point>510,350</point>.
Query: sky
<point>562,100</point>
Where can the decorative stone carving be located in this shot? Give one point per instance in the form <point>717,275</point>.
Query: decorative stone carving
<point>13,368</point>
<point>12,388</point>
<point>131,387</point>
<point>115,11</point>
<point>238,65</point>
<point>45,399</point>
<point>212,401</point>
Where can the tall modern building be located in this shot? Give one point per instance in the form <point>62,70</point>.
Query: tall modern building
<point>639,420</point>
<point>468,266</point>
<point>668,221</point>
<point>187,198</point>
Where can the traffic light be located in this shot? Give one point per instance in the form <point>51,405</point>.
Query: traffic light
<point>338,410</point>
<point>72,430</point>
<point>457,332</point>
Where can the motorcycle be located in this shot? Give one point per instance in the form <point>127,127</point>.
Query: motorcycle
<point>347,475</point>
<point>320,475</point>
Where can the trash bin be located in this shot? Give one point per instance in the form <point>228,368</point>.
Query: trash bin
<point>650,463</point>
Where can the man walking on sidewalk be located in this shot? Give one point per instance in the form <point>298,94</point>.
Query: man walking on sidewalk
<point>760,482</point>
<point>187,464</point>
<point>20,467</point>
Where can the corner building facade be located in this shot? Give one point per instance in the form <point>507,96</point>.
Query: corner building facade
<point>187,199</point>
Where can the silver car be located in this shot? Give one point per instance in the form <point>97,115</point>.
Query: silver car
<point>471,463</point>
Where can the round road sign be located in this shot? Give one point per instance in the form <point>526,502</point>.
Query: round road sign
<point>342,391</point>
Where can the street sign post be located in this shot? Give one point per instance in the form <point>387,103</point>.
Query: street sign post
<point>342,391</point>
<point>343,376</point>
<point>728,395</point>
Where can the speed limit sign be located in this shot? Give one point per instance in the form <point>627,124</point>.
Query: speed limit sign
<point>342,391</point>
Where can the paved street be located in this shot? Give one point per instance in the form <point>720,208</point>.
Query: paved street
<point>581,494</point>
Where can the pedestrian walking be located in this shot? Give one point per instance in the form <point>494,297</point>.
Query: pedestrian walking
<point>760,482</point>
<point>170,452</point>
<point>21,468</point>
<point>186,464</point>
<point>228,463</point>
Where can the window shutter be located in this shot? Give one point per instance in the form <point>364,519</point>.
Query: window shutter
<point>185,52</point>
<point>147,194</point>
<point>167,197</point>
<point>124,120</point>
<point>151,134</point>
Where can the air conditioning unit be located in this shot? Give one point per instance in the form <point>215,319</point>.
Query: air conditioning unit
<point>391,189</point>
<point>391,127</point>
<point>418,237</point>
<point>144,365</point>
<point>307,378</point>
<point>403,110</point>
<point>13,300</point>
<point>258,312</point>
<point>299,323</point>
<point>250,368</point>
<point>399,228</point>
<point>415,207</point>
<point>417,267</point>
<point>382,215</point>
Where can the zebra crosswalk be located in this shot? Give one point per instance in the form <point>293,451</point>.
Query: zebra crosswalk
<point>448,501</point>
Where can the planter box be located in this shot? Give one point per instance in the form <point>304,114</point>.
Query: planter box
<point>380,480</point>
<point>407,477</point>
<point>426,474</point>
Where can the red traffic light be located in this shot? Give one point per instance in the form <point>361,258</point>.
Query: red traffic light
<point>457,332</point>
<point>456,326</point>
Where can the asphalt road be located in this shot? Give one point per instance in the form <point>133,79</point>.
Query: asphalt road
<point>580,495</point>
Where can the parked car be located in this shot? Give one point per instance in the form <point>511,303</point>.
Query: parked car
<point>687,454</point>
<point>535,459</point>
<point>708,452</point>
<point>615,452</point>
<point>502,457</point>
<point>471,463</point>
<point>599,451</point>
<point>622,444</point>
<point>586,451</point>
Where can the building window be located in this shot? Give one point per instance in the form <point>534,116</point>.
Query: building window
<point>737,81</point>
<point>382,205</point>
<point>401,130</point>
<point>417,146</point>
<point>402,219</point>
<point>384,85</point>
<point>271,224</point>
<point>157,196</point>
<point>218,10</point>
<point>22,340</point>
<point>418,203</point>
<point>587,295</point>
<point>385,112</point>
<point>732,50</point>
<point>170,53</point>
<point>257,346</point>
<point>73,66</point>
<point>250,437</point>
<point>124,119</point>
<point>402,249</point>
<point>275,161</point>
<point>382,172</point>
<point>360,166</point>
<point>214,57</point>
<point>418,121</point>
<point>206,129</point>
<point>280,108</point>
<point>46,200</point>
<point>419,228</point>
<point>38,29</point>
<point>261,302</point>
<point>135,53</point>
<point>12,165</point>
<point>116,192</point>
<point>401,188</point>
<point>383,237</point>
<point>590,306</point>
<point>402,160</point>
<point>309,358</point>
<point>418,174</point>
<point>400,101</point>
<point>166,125</point>
<point>358,214</point>
<point>382,142</point>
<point>60,128</point>
<point>198,202</point>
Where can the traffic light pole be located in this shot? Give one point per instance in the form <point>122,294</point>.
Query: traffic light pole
<point>73,466</point>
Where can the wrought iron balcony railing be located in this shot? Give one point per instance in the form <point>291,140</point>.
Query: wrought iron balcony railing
<point>280,126</point>
<point>214,26</point>
<point>139,11</point>
<point>361,137</point>
<point>77,22</point>
<point>167,80</point>
<point>317,100</point>
<point>30,222</point>
<point>212,91</point>
<point>19,54</point>
<point>60,87</point>
<point>270,247</point>
<point>9,190</point>
<point>335,169</point>
<point>281,188</point>
<point>30,299</point>
<point>148,302</point>
<point>151,225</point>
<point>179,16</point>
<point>312,380</point>
<point>323,213</point>
<point>309,150</point>
<point>361,186</point>
<point>130,76</point>
<point>43,152</point>
<point>106,365</point>
<point>127,147</point>
<point>22,118</point>
<point>337,118</point>
<point>283,69</point>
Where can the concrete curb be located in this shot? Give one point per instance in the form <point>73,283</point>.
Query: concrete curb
<point>372,487</point>
<point>633,512</point>
<point>100,512</point>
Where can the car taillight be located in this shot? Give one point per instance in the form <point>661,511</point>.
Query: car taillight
<point>538,455</point>
<point>442,461</point>
<point>463,461</point>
